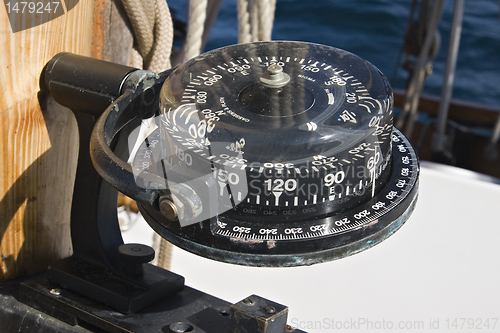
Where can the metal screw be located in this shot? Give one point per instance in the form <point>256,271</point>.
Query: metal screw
<point>270,309</point>
<point>248,301</point>
<point>181,327</point>
<point>274,70</point>
<point>168,208</point>
<point>55,292</point>
<point>275,77</point>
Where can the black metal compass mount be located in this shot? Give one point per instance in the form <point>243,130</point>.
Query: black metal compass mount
<point>102,267</point>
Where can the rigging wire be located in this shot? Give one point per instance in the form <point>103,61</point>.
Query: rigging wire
<point>424,62</point>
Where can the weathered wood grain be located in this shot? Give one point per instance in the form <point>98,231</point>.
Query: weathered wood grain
<point>39,145</point>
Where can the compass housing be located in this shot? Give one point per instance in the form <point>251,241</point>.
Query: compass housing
<point>303,169</point>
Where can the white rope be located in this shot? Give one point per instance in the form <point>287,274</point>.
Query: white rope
<point>196,25</point>
<point>139,14</point>
<point>163,38</point>
<point>255,20</point>
<point>135,59</point>
<point>153,33</point>
<point>244,34</point>
<point>266,18</point>
<point>164,253</point>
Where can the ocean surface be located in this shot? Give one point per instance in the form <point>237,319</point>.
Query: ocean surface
<point>374,29</point>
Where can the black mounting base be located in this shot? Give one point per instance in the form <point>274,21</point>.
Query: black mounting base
<point>189,310</point>
<point>191,307</point>
<point>124,295</point>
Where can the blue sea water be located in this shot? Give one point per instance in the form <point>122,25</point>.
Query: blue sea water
<point>374,29</point>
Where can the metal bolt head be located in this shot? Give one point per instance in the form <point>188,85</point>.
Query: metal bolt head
<point>275,77</point>
<point>248,301</point>
<point>55,292</point>
<point>168,209</point>
<point>274,69</point>
<point>270,309</point>
<point>181,327</point>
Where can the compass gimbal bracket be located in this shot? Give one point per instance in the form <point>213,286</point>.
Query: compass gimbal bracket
<point>102,267</point>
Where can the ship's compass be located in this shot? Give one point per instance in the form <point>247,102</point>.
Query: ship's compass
<point>263,154</point>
